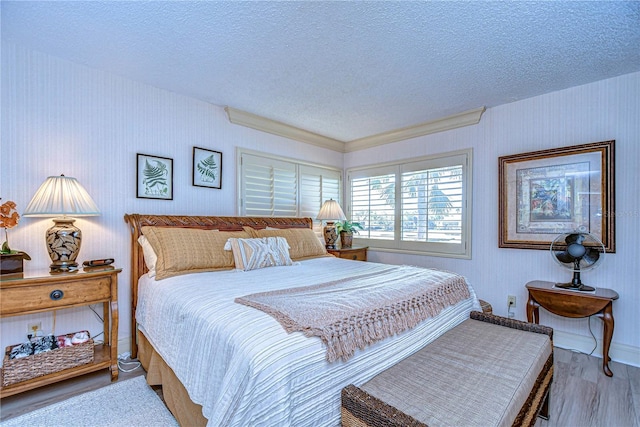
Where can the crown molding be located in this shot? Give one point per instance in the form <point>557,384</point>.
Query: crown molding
<point>466,118</point>
<point>264,124</point>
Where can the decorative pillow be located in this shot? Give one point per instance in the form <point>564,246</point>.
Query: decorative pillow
<point>150,257</point>
<point>303,242</point>
<point>251,254</point>
<point>190,250</point>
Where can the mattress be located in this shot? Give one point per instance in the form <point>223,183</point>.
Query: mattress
<point>241,366</point>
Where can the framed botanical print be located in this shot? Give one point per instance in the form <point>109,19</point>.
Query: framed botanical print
<point>550,192</point>
<point>154,177</point>
<point>207,168</point>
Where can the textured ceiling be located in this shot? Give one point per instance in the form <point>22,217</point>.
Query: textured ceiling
<point>345,70</point>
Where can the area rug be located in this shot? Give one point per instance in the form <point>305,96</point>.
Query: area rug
<point>127,403</point>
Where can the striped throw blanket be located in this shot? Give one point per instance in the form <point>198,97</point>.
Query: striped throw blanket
<point>353,313</point>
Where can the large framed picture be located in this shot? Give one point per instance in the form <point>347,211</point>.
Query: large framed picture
<point>154,177</point>
<point>545,193</point>
<point>207,168</point>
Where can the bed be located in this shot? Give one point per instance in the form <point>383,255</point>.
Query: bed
<point>222,361</point>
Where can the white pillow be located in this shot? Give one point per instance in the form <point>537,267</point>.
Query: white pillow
<point>150,257</point>
<point>251,254</point>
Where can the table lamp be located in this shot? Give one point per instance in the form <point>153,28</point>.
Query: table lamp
<point>330,212</point>
<point>62,195</point>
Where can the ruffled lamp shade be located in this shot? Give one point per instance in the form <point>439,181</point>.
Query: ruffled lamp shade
<point>62,195</point>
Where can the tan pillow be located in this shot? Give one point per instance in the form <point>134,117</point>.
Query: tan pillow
<point>252,254</point>
<point>190,250</point>
<point>303,242</point>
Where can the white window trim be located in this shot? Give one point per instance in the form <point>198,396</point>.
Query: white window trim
<point>462,251</point>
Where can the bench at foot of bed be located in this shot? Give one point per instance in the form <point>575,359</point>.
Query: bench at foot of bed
<point>487,371</point>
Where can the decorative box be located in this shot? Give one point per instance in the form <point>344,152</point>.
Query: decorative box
<point>40,364</point>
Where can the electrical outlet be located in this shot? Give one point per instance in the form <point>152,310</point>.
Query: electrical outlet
<point>511,300</point>
<point>34,328</point>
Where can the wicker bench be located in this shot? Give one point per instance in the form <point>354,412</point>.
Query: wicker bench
<point>487,371</point>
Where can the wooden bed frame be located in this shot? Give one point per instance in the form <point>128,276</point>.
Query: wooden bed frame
<point>175,395</point>
<point>223,223</point>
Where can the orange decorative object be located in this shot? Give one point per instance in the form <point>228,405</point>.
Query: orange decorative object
<point>10,260</point>
<point>8,215</point>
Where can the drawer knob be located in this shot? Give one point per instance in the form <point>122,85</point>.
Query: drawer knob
<point>354,257</point>
<point>56,295</point>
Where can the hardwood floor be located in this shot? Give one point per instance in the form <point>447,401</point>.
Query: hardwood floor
<point>581,395</point>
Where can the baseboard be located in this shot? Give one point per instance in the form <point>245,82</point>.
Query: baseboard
<point>621,353</point>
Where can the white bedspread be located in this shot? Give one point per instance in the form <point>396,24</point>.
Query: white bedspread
<point>240,364</point>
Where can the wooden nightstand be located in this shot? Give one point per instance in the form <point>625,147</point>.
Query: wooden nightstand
<point>358,253</point>
<point>36,293</point>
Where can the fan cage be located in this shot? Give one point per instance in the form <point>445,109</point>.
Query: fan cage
<point>558,246</point>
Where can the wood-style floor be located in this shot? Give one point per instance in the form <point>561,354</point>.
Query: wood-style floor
<point>581,395</point>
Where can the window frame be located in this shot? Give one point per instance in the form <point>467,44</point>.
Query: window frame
<point>440,249</point>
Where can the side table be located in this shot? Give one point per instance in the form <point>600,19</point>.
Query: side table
<point>575,304</point>
<point>39,292</point>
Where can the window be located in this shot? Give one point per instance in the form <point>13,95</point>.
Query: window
<point>423,205</point>
<point>276,186</point>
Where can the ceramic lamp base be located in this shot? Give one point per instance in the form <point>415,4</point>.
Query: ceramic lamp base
<point>63,243</point>
<point>330,235</point>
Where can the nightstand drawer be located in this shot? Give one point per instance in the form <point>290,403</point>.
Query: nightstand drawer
<point>357,253</point>
<point>31,298</point>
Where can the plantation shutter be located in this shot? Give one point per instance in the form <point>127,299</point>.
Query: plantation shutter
<point>421,206</point>
<point>372,203</point>
<point>432,205</point>
<point>272,186</point>
<point>316,186</point>
<point>269,187</point>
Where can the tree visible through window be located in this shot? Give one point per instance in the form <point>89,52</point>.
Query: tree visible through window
<point>432,205</point>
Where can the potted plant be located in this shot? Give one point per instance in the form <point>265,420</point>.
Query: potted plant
<point>346,230</point>
<point>11,261</point>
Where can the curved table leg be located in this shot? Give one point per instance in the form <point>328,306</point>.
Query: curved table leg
<point>533,315</point>
<point>607,318</point>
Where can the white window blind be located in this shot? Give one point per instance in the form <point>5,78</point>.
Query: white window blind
<point>432,205</point>
<point>373,205</point>
<point>316,186</point>
<point>270,188</point>
<point>276,186</point>
<point>422,205</point>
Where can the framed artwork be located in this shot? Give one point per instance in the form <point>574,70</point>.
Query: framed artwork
<point>154,177</point>
<point>207,168</point>
<point>550,192</point>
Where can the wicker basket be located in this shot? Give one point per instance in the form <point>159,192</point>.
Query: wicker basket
<point>37,365</point>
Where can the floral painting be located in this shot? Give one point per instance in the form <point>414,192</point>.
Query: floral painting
<point>154,177</point>
<point>207,168</point>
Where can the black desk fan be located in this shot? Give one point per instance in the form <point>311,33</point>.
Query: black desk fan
<point>579,251</point>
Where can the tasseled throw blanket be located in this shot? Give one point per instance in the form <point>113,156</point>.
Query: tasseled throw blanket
<point>352,313</point>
